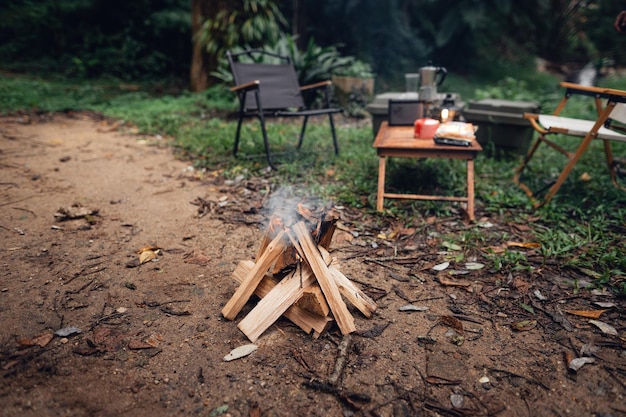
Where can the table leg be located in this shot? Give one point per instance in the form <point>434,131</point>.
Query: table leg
<point>470,189</point>
<point>382,161</point>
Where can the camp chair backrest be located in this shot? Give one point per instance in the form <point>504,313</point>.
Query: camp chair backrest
<point>619,113</point>
<point>267,85</point>
<point>279,85</point>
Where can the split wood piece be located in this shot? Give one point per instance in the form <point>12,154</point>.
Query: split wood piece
<point>284,294</point>
<point>313,300</point>
<point>303,242</point>
<point>286,261</point>
<point>287,257</point>
<point>302,318</point>
<point>275,224</point>
<point>322,232</point>
<point>348,289</point>
<point>250,282</point>
<point>266,241</point>
<point>326,231</point>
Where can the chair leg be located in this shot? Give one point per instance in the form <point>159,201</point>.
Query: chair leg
<point>242,99</point>
<point>611,163</point>
<point>330,119</point>
<point>570,166</point>
<point>332,129</point>
<point>266,143</point>
<point>237,135</point>
<point>517,178</point>
<point>304,123</point>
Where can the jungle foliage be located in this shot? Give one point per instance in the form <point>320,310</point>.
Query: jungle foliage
<point>145,39</point>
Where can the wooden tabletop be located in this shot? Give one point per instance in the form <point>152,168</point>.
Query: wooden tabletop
<point>401,138</point>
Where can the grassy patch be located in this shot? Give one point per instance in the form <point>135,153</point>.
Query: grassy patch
<point>582,230</point>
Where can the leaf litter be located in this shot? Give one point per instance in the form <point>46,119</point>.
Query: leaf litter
<point>496,299</point>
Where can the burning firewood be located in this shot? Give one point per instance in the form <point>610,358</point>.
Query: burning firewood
<point>301,317</point>
<point>295,276</point>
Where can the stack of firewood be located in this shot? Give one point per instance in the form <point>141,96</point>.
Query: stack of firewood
<point>295,276</point>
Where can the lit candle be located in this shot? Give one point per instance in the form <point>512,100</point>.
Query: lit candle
<point>444,115</point>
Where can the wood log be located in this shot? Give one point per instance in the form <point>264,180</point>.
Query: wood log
<point>322,226</point>
<point>250,282</point>
<point>302,318</point>
<point>326,231</point>
<point>348,289</point>
<point>286,261</point>
<point>275,224</point>
<point>263,246</point>
<point>284,294</point>
<point>355,296</point>
<point>313,300</point>
<point>303,242</point>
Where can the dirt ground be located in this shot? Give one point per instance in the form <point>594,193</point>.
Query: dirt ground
<point>87,329</point>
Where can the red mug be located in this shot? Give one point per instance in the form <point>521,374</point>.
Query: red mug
<point>425,128</point>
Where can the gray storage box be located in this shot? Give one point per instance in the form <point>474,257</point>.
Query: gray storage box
<point>501,125</point>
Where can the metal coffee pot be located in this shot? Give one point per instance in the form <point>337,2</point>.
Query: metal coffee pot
<point>430,78</point>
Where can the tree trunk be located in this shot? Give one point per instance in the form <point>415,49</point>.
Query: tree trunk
<point>202,63</point>
<point>198,75</point>
<point>299,25</point>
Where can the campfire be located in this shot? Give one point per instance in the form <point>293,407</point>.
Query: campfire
<point>295,276</point>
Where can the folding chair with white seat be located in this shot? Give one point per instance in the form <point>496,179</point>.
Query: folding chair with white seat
<point>610,107</point>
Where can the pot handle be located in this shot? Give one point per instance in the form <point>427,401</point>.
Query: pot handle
<point>443,72</point>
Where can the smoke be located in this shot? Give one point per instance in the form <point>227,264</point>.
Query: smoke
<point>283,203</point>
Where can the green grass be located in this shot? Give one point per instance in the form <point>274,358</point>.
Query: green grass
<point>582,229</point>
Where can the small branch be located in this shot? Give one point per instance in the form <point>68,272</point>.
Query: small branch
<point>528,379</point>
<point>340,363</point>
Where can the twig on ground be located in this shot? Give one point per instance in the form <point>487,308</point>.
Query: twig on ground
<point>342,357</point>
<point>531,380</point>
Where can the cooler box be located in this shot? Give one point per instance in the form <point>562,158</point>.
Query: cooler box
<point>501,125</point>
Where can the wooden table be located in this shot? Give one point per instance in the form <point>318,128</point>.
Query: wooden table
<point>398,141</point>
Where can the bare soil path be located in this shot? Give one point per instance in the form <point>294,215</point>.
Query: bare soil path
<point>78,201</point>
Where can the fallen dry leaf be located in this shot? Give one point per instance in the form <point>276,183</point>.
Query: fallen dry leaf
<point>520,285</point>
<point>138,344</point>
<point>524,325</point>
<point>591,314</point>
<point>73,212</point>
<point>496,249</point>
<point>149,248</point>
<point>342,237</point>
<point>41,340</point>
<point>527,245</point>
<point>578,363</point>
<point>240,352</point>
<point>453,322</point>
<point>441,267</point>
<point>147,256</point>
<point>154,340</point>
<point>456,283</point>
<point>606,328</point>
<point>521,228</point>
<point>196,257</point>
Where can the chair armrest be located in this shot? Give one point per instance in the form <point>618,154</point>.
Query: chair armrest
<point>534,121</point>
<point>252,85</point>
<point>584,89</point>
<point>316,85</point>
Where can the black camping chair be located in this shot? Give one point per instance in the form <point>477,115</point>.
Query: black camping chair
<point>272,90</point>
